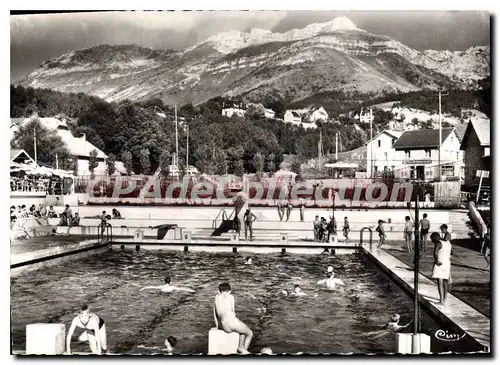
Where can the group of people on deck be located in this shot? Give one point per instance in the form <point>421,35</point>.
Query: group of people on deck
<point>323,230</point>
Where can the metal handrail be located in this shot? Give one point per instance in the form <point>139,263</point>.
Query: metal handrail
<point>361,236</point>
<point>105,230</point>
<point>214,222</point>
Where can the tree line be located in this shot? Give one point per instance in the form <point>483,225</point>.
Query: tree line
<point>142,134</point>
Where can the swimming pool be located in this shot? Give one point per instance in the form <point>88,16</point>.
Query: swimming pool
<point>344,321</point>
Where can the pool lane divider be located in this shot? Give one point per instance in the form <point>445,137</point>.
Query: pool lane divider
<point>28,261</point>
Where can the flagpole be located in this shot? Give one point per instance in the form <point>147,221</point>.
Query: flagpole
<point>440,137</point>
<point>176,140</point>
<point>34,145</point>
<point>187,149</point>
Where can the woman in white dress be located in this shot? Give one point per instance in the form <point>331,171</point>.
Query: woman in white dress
<point>442,265</point>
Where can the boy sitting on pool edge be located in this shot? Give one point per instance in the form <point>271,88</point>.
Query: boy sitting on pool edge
<point>224,312</point>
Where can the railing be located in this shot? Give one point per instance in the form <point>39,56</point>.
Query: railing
<point>105,232</point>
<point>224,217</point>
<point>361,236</point>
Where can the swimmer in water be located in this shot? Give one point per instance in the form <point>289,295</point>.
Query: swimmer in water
<point>248,261</point>
<point>167,288</point>
<point>390,327</point>
<point>394,323</point>
<point>330,282</point>
<point>224,312</point>
<point>94,331</point>
<point>170,343</point>
<point>266,351</point>
<point>297,292</point>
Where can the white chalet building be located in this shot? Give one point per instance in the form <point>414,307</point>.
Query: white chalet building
<point>77,146</point>
<point>417,154</point>
<point>384,155</point>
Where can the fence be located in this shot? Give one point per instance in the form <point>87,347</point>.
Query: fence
<point>446,194</point>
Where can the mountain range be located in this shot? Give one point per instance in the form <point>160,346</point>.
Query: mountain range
<point>331,56</point>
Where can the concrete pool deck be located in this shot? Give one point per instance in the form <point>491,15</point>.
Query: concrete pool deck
<point>30,254</point>
<point>466,318</point>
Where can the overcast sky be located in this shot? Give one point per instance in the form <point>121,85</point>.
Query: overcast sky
<point>36,38</point>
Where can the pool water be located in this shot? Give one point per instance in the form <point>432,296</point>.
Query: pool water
<point>347,320</point>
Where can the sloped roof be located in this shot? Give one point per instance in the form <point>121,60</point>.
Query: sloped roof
<point>461,128</point>
<point>76,146</point>
<point>395,134</point>
<point>14,153</point>
<point>482,129</point>
<point>422,138</point>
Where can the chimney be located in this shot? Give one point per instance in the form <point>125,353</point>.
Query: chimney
<point>83,136</point>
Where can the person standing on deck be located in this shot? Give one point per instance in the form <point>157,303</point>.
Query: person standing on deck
<point>249,218</point>
<point>316,226</point>
<point>104,219</point>
<point>381,232</point>
<point>407,234</point>
<point>487,247</point>
<point>346,229</point>
<point>445,235</point>
<point>332,228</point>
<point>281,211</point>
<point>237,225</point>
<point>424,231</point>
<point>442,265</point>
<point>288,211</point>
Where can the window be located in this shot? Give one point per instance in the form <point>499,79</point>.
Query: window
<point>428,153</point>
<point>407,154</point>
<point>379,143</point>
<point>448,170</point>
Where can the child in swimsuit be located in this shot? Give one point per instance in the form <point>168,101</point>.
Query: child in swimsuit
<point>381,232</point>
<point>346,229</point>
<point>94,331</point>
<point>224,312</point>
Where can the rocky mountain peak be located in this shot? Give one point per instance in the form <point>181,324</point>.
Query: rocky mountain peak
<point>231,41</point>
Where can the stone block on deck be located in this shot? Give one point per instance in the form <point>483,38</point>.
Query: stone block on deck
<point>222,343</point>
<point>45,339</point>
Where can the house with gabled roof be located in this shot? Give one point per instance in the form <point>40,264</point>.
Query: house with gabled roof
<point>21,157</point>
<point>293,116</point>
<point>381,148</point>
<point>476,147</point>
<point>77,146</point>
<point>418,154</point>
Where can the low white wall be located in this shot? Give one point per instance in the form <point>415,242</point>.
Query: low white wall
<point>477,219</point>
